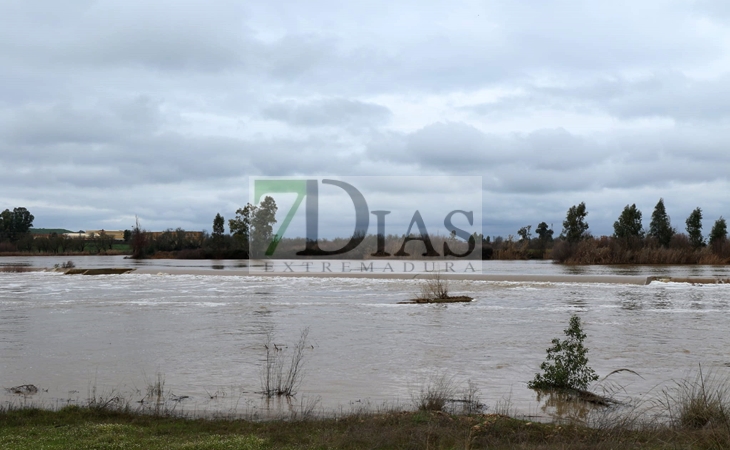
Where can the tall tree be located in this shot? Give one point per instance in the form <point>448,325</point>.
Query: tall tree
<point>544,233</point>
<point>15,224</point>
<point>660,227</point>
<point>264,219</point>
<point>219,224</point>
<point>241,224</point>
<point>718,234</point>
<point>629,224</point>
<point>525,234</point>
<point>694,228</point>
<point>6,220</point>
<point>253,225</point>
<point>138,238</point>
<point>544,236</point>
<point>575,227</point>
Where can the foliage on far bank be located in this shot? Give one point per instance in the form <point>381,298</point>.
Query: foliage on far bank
<point>630,243</point>
<point>16,238</point>
<point>662,244</point>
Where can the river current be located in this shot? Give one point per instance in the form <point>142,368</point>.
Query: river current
<point>204,335</point>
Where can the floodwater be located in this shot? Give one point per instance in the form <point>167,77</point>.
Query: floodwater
<point>488,267</point>
<point>205,334</point>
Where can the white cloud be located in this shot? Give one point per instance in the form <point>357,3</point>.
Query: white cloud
<point>167,107</point>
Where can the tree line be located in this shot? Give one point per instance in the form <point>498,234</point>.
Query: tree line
<point>252,223</point>
<point>630,243</point>
<point>15,228</point>
<point>16,237</point>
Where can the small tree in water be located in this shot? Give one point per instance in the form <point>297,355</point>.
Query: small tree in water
<point>566,365</point>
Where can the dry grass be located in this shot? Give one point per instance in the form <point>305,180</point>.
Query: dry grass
<point>435,394</point>
<point>702,402</point>
<point>609,250</point>
<point>441,393</point>
<point>435,287</point>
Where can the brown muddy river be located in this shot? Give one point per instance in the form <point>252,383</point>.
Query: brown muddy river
<point>205,334</point>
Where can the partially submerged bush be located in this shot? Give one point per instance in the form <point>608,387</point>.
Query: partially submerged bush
<point>441,393</point>
<point>435,288</point>
<point>566,364</point>
<point>438,391</point>
<point>276,379</point>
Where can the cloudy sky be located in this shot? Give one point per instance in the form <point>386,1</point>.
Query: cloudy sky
<point>164,109</point>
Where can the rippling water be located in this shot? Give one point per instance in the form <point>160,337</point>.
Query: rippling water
<point>68,334</point>
<point>488,267</point>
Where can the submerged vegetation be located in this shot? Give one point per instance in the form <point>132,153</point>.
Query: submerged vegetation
<point>694,415</point>
<point>444,414</point>
<point>277,378</point>
<point>435,289</point>
<point>566,365</point>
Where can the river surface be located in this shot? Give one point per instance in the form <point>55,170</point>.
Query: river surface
<point>205,334</point>
<point>488,267</point>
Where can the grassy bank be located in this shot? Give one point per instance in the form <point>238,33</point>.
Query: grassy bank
<point>76,428</point>
<point>692,414</point>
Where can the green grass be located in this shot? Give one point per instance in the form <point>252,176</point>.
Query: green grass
<point>82,428</point>
<point>85,428</point>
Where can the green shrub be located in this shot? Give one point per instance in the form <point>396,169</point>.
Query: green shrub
<point>566,365</point>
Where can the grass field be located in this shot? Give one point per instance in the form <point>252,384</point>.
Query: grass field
<point>84,428</point>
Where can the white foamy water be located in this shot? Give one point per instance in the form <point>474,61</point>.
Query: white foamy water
<point>206,334</point>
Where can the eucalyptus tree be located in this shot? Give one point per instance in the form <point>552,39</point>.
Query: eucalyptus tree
<point>575,226</point>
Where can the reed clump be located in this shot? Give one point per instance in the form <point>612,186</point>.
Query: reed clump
<point>435,394</point>
<point>702,401</point>
<point>442,393</point>
<point>279,379</point>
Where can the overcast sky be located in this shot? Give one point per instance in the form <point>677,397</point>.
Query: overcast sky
<point>163,109</point>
